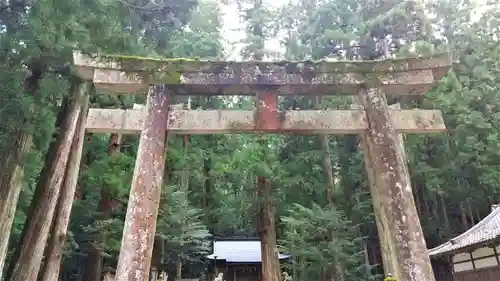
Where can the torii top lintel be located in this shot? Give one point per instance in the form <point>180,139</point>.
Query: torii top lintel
<point>409,76</point>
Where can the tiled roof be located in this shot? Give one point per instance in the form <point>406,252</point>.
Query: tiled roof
<point>484,231</point>
<point>238,251</point>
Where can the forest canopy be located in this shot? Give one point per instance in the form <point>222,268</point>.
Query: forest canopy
<point>317,205</point>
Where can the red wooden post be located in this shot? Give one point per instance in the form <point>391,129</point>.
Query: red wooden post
<point>140,223</point>
<point>266,118</point>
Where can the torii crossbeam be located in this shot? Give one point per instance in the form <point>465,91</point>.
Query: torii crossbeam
<point>397,217</point>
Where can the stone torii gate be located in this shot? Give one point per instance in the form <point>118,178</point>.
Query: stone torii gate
<point>404,248</point>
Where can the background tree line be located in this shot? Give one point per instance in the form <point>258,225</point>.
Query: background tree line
<point>317,184</point>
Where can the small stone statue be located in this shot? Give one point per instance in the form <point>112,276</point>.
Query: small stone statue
<point>286,277</point>
<point>390,277</point>
<point>220,277</point>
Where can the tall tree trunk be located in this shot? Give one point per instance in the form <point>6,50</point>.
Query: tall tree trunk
<point>178,268</point>
<point>463,217</point>
<point>445,216</point>
<point>366,255</point>
<point>327,168</point>
<point>157,258</point>
<point>267,104</point>
<point>267,113</point>
<point>267,107</point>
<point>10,187</point>
<point>336,268</point>
<point>12,172</point>
<point>95,256</point>
<point>267,232</point>
<point>208,193</point>
<point>184,184</point>
<point>54,250</point>
<point>418,203</point>
<point>186,170</point>
<point>208,196</point>
<point>28,256</point>
<point>435,205</point>
<point>427,198</point>
<point>469,211</point>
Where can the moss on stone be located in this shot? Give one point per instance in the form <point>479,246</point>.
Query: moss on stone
<point>155,70</point>
<point>167,77</point>
<point>174,67</point>
<point>145,64</point>
<point>237,125</point>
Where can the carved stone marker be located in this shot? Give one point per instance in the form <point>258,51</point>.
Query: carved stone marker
<point>399,225</point>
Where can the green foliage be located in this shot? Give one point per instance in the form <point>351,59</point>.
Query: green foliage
<point>218,198</point>
<point>182,229</point>
<point>316,238</point>
<point>111,174</point>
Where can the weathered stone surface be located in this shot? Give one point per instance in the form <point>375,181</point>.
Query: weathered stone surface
<point>415,82</point>
<point>411,76</point>
<point>119,81</point>
<point>127,121</point>
<point>391,189</point>
<point>399,83</point>
<point>383,230</point>
<point>137,64</point>
<point>142,210</point>
<point>131,121</point>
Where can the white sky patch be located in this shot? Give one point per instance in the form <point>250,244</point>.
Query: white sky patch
<point>233,30</point>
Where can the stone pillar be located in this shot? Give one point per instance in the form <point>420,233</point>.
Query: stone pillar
<point>399,226</point>
<point>385,241</point>
<point>142,210</point>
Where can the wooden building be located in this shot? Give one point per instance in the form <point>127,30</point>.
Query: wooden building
<point>238,260</point>
<point>475,254</point>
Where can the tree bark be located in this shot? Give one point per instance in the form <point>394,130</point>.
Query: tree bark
<point>418,202</point>
<point>465,223</point>
<point>267,119</point>
<point>186,171</point>
<point>469,211</point>
<point>184,184</point>
<point>366,255</point>
<point>144,200</point>
<point>330,189</point>
<point>28,256</point>
<point>10,187</point>
<point>426,196</point>
<point>267,232</point>
<point>95,256</point>
<point>178,268</point>
<point>327,168</point>
<point>445,215</point>
<point>55,247</point>
<point>208,193</point>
